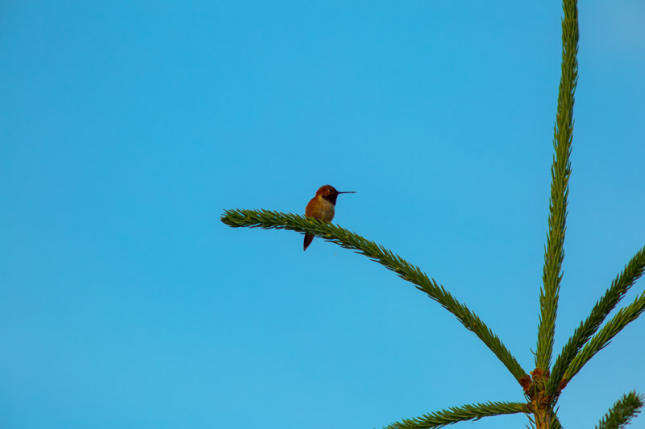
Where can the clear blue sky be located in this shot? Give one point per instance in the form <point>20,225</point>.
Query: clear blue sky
<point>126,128</point>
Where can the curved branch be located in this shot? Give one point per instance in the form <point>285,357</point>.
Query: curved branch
<point>452,415</point>
<point>330,232</point>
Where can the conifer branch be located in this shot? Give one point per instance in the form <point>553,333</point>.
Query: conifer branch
<point>335,234</point>
<point>603,307</point>
<point>623,317</point>
<point>452,415</point>
<point>621,412</point>
<point>560,172</point>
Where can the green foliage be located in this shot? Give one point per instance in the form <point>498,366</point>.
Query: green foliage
<point>560,172</point>
<point>275,220</point>
<point>621,412</point>
<point>459,414</point>
<point>601,339</point>
<point>603,307</point>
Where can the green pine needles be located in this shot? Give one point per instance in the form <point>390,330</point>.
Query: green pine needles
<point>625,409</point>
<point>560,172</point>
<point>274,220</point>
<point>460,414</point>
<point>542,387</point>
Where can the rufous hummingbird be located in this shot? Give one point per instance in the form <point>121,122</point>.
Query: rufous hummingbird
<point>322,207</point>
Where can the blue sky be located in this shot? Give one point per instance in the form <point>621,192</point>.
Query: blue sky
<point>126,128</point>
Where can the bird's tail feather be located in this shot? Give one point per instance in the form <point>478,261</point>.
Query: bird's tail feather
<point>308,239</point>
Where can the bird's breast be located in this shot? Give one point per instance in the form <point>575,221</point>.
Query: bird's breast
<point>320,208</point>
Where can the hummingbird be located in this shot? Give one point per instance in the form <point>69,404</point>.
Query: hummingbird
<point>321,207</point>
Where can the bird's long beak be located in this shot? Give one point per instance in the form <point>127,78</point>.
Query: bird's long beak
<point>347,192</point>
